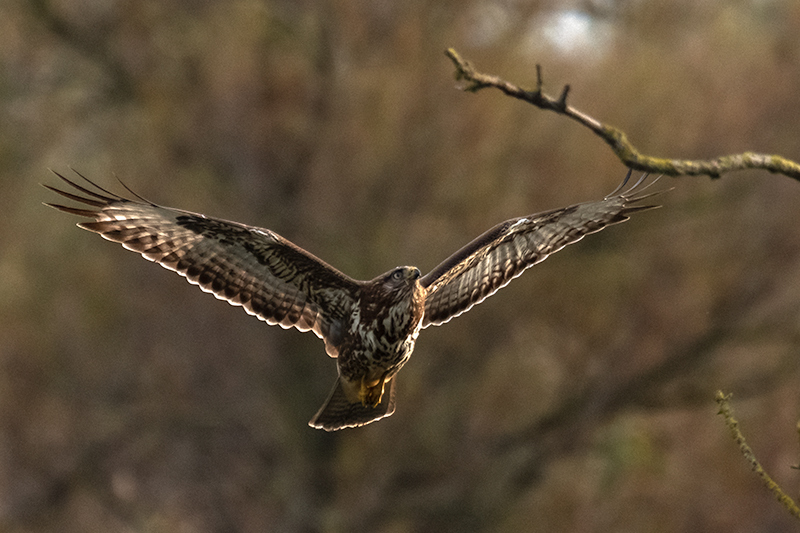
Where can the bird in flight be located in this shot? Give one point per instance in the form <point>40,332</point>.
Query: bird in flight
<point>370,327</point>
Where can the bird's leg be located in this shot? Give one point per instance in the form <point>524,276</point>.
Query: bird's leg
<point>371,391</point>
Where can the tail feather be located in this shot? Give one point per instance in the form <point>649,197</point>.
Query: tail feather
<point>339,412</point>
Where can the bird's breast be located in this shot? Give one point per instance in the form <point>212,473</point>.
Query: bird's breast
<point>379,339</point>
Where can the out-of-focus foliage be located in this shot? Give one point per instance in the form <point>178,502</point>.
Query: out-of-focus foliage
<point>581,398</point>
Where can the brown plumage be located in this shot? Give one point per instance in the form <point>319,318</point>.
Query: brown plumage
<point>369,326</point>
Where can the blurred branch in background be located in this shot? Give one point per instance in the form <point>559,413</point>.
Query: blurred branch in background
<point>90,43</point>
<point>733,425</point>
<point>616,138</point>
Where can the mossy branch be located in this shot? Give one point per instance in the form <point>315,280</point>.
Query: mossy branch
<point>616,138</point>
<point>733,425</point>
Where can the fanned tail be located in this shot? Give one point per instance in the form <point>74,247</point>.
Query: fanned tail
<point>338,412</point>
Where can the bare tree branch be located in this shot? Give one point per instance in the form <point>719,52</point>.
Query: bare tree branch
<point>616,138</point>
<point>733,425</point>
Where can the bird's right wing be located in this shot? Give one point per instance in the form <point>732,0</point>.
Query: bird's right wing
<point>491,261</point>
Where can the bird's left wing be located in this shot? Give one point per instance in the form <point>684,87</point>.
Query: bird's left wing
<point>501,254</point>
<point>255,268</point>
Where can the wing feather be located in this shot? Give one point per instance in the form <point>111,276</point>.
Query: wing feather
<point>491,261</point>
<point>271,278</point>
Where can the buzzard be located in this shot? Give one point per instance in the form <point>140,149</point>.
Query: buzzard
<point>370,327</point>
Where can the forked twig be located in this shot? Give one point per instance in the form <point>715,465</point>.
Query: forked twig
<point>616,138</point>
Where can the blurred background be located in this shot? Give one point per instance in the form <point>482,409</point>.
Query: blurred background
<point>581,399</point>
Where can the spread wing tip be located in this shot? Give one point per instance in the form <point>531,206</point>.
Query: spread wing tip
<point>88,213</point>
<point>98,198</point>
<point>636,192</point>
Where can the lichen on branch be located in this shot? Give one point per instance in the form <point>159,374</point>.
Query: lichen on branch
<point>733,425</point>
<point>622,147</point>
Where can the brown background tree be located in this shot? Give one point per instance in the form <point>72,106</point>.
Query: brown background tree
<point>580,399</point>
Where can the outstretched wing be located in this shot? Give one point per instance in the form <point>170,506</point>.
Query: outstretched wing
<point>267,275</point>
<point>501,254</point>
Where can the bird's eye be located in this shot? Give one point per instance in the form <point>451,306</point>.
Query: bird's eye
<point>397,275</point>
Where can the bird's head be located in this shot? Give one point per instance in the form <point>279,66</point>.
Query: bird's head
<point>399,281</point>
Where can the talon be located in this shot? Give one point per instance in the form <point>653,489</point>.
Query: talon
<point>371,393</point>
